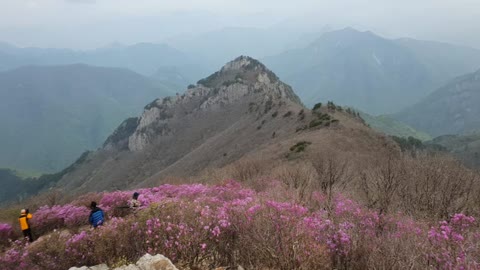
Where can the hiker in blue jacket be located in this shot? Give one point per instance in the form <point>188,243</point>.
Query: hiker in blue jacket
<point>97,216</point>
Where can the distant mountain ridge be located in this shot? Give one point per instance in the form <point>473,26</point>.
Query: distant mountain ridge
<point>452,109</point>
<point>366,71</point>
<point>51,114</point>
<point>446,61</point>
<point>143,58</point>
<point>358,69</point>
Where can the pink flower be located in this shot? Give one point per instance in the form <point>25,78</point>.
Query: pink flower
<point>216,231</point>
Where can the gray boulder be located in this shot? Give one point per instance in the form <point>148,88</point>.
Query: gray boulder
<point>147,262</point>
<point>96,267</point>
<point>157,262</point>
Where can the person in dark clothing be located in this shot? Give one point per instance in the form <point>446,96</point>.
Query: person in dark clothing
<point>134,203</point>
<point>25,216</point>
<point>97,217</point>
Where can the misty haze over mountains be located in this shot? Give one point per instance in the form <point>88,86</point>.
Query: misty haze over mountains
<point>359,69</point>
<point>350,67</point>
<point>51,114</point>
<point>94,23</point>
<point>452,109</point>
<point>374,74</point>
<point>144,58</point>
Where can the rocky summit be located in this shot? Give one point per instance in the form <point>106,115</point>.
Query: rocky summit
<point>147,262</point>
<point>240,79</point>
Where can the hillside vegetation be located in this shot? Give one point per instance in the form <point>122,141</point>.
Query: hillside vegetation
<point>275,226</point>
<point>451,109</point>
<point>465,147</point>
<point>390,126</point>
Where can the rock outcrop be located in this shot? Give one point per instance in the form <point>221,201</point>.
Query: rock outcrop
<point>147,262</point>
<point>239,78</point>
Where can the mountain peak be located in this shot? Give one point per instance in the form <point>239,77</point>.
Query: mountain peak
<point>351,31</point>
<point>243,63</point>
<point>348,37</point>
<point>243,69</point>
<point>242,84</point>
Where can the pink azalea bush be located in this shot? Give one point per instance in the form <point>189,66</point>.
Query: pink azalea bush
<point>6,234</point>
<point>48,218</point>
<point>455,242</point>
<point>226,225</point>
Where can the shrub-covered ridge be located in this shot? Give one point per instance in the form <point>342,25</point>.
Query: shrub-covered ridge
<point>201,226</point>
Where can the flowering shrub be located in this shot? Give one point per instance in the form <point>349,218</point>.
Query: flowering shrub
<point>199,226</point>
<point>6,234</point>
<point>47,218</point>
<point>16,257</point>
<point>114,199</point>
<point>451,247</point>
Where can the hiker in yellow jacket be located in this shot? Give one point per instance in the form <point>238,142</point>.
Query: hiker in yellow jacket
<point>25,225</point>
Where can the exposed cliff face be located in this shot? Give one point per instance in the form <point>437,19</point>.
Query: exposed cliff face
<point>241,78</point>
<point>120,136</point>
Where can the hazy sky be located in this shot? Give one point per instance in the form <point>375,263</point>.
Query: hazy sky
<point>94,23</point>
